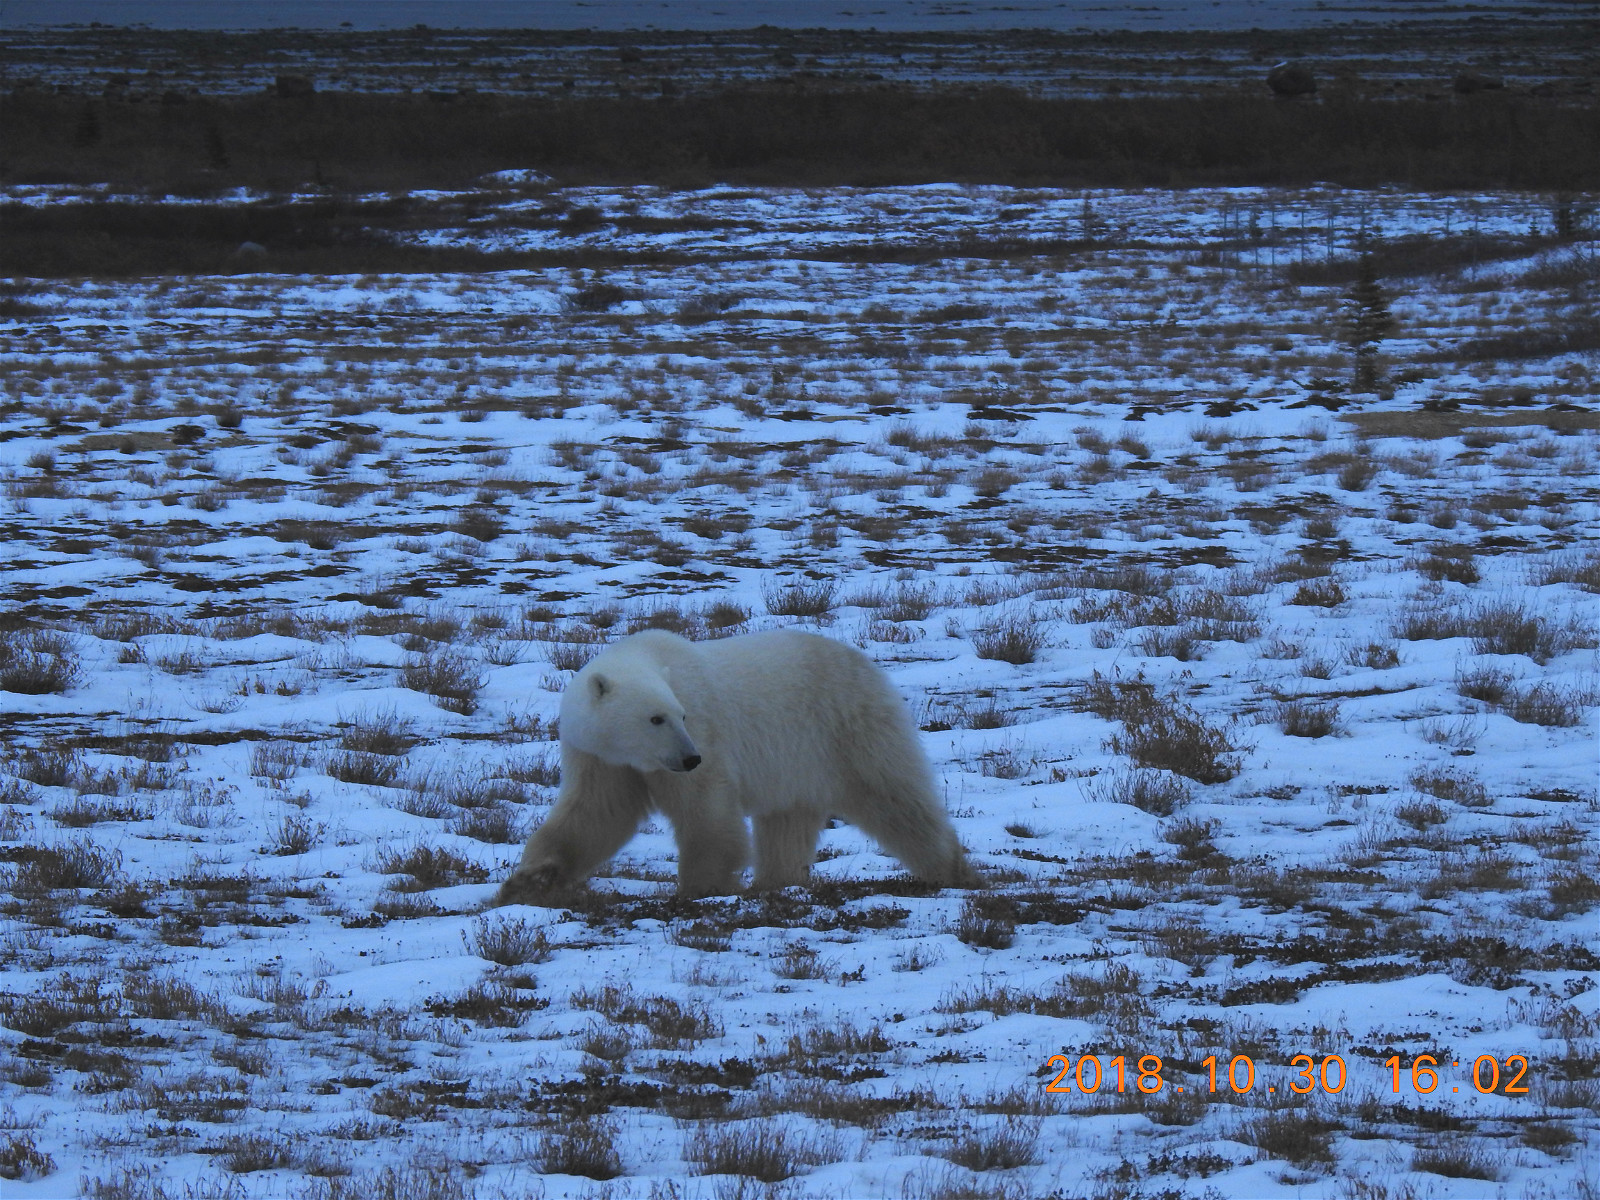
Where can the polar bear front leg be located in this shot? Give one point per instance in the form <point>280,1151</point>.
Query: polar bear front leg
<point>786,846</point>
<point>709,828</point>
<point>712,853</point>
<point>599,809</point>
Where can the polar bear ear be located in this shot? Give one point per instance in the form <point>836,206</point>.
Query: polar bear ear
<point>600,686</point>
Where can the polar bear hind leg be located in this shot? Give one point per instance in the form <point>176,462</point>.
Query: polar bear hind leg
<point>922,841</point>
<point>893,802</point>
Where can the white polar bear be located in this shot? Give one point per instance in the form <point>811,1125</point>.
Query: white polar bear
<point>785,728</point>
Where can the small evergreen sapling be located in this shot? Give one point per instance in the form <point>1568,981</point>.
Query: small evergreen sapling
<point>1365,320</point>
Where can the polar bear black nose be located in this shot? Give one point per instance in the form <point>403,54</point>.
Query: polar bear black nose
<point>691,762</point>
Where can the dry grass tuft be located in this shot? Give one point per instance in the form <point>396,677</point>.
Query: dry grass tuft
<point>1458,1158</point>
<point>811,599</point>
<point>379,733</point>
<point>586,1147</point>
<point>1310,719</point>
<point>428,867</point>
<point>1179,740</point>
<point>767,1150</point>
<point>988,921</point>
<point>672,1024</point>
<point>39,662</point>
<point>1002,1147</point>
<point>509,941</point>
<point>453,680</point>
<point>21,1160</point>
<point>1156,792</point>
<point>1301,1137</point>
<point>1013,639</point>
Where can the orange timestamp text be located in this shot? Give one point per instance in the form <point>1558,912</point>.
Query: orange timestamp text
<point>1087,1074</point>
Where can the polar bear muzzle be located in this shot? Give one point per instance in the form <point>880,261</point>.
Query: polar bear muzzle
<point>684,755</point>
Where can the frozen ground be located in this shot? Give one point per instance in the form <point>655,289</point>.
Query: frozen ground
<point>1267,708</point>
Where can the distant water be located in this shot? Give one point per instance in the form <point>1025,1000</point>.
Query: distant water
<point>900,15</point>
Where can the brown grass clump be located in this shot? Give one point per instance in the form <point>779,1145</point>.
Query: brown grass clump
<point>1549,705</point>
<point>1012,639</point>
<point>586,1146</point>
<point>1311,719</point>
<point>988,921</point>
<point>494,823</point>
<point>1581,569</point>
<point>1179,740</point>
<point>274,760</point>
<point>1156,792</point>
<point>511,942</point>
<point>453,680</point>
<point>490,1003</point>
<point>1299,1136</point>
<point>1459,1158</point>
<point>38,662</point>
<point>1115,994</point>
<point>769,1151</point>
<point>812,599</point>
<point>370,770</point>
<point>428,867</point>
<point>673,1025</point>
<point>1004,1147</point>
<point>379,733</point>
<point>1452,562</point>
<point>21,1160</point>
<point>1320,593</point>
<point>69,865</point>
<point>1511,628</point>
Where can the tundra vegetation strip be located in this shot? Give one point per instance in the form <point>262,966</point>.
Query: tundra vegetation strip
<point>351,142</point>
<point>1506,50</point>
<point>1268,714</point>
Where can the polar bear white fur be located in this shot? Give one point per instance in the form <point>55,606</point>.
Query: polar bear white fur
<point>784,728</point>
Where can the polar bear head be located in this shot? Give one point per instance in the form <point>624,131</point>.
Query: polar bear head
<point>624,713</point>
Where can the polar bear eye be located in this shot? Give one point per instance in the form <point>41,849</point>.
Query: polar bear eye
<point>658,720</point>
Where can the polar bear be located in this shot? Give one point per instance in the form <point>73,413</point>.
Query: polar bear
<point>784,728</point>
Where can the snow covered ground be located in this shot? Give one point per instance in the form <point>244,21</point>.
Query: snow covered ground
<point>1267,708</point>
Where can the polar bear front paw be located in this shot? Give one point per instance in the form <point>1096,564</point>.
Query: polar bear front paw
<point>528,886</point>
